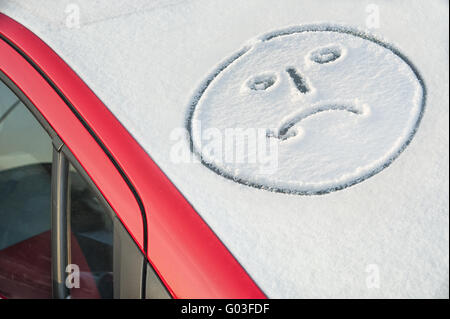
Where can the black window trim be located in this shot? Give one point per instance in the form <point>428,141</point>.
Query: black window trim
<point>59,222</point>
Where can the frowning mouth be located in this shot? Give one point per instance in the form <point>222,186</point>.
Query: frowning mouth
<point>286,130</point>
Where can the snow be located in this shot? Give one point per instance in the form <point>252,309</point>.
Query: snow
<point>384,237</point>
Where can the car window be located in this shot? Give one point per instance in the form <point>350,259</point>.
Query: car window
<point>91,240</point>
<point>25,201</point>
<point>102,263</point>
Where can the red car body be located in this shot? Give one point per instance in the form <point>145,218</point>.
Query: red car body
<point>188,257</point>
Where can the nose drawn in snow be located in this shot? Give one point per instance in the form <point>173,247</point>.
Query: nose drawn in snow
<point>340,105</point>
<point>299,82</point>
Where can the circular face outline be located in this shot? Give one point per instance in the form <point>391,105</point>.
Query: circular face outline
<point>285,32</point>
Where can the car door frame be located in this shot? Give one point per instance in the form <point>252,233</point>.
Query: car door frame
<point>128,261</point>
<point>181,248</point>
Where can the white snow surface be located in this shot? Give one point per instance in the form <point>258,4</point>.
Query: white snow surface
<point>385,237</point>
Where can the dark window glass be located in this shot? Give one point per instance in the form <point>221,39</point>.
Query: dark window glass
<point>25,203</point>
<point>91,241</point>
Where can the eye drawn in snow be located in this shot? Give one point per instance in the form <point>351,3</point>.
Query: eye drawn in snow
<point>338,104</point>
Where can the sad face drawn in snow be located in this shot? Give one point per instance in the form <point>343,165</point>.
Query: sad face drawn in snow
<point>339,105</point>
